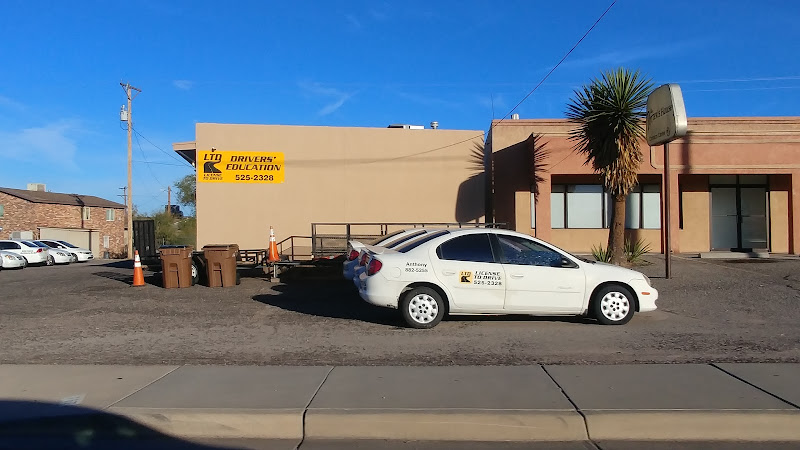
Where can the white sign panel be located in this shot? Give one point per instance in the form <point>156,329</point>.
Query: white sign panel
<point>666,115</point>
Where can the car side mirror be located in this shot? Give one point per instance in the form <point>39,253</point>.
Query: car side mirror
<point>565,262</point>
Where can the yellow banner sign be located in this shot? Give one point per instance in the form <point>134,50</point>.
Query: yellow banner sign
<point>228,166</point>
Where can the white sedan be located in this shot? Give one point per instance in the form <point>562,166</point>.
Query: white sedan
<point>55,255</point>
<point>491,271</point>
<point>32,253</point>
<point>9,260</point>
<point>81,254</point>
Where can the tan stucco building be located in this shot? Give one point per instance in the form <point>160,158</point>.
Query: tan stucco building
<point>339,174</point>
<point>735,183</point>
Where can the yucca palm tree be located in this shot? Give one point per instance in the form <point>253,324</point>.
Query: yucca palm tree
<point>609,116</point>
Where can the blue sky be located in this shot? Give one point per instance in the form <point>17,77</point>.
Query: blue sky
<point>348,63</point>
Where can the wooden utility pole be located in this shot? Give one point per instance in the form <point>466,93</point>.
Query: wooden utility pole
<point>129,199</point>
<point>169,200</point>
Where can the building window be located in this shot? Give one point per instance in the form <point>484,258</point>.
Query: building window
<point>533,210</point>
<point>106,241</point>
<point>589,206</point>
<point>578,206</point>
<point>85,213</point>
<point>110,215</point>
<point>2,210</point>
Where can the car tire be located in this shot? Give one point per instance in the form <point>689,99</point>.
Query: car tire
<point>50,260</point>
<point>422,307</point>
<point>613,304</point>
<point>73,258</point>
<point>24,262</point>
<point>195,274</point>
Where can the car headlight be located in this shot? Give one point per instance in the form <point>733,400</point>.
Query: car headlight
<point>646,278</point>
<point>9,257</point>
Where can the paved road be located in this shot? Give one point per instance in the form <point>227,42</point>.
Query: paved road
<point>87,313</point>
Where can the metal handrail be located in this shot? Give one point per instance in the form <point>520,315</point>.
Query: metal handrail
<point>291,239</point>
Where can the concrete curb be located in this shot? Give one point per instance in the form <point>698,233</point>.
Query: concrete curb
<point>472,425</point>
<point>445,425</point>
<point>684,425</point>
<point>219,423</point>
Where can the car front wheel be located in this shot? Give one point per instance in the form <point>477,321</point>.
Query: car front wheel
<point>422,307</point>
<point>613,305</point>
<point>50,260</point>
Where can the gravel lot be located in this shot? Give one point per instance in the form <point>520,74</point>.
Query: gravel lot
<point>88,314</point>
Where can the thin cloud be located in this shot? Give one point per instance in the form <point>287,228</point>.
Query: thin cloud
<point>318,90</point>
<point>183,85</point>
<point>627,55</point>
<point>353,21</point>
<point>496,102</point>
<point>9,103</point>
<point>53,142</point>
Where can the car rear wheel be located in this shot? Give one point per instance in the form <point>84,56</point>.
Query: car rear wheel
<point>50,260</point>
<point>422,307</point>
<point>613,305</point>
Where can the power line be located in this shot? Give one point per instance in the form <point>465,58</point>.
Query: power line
<point>156,146</point>
<point>160,163</point>
<point>494,124</point>
<point>147,162</point>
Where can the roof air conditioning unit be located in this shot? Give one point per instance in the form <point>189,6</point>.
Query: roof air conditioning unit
<point>22,235</point>
<point>37,187</point>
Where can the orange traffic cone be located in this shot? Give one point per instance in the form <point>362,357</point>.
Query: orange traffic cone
<point>138,274</point>
<point>273,247</point>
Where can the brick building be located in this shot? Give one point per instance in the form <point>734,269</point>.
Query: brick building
<point>83,220</point>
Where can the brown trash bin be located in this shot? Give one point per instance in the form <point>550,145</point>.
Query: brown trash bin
<point>176,266</point>
<point>221,264</point>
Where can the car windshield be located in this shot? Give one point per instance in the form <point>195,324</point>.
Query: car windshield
<point>68,244</point>
<point>421,240</point>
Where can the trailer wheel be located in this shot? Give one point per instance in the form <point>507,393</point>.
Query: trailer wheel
<point>195,274</point>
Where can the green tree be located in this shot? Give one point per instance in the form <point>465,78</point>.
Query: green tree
<point>186,193</point>
<point>608,114</point>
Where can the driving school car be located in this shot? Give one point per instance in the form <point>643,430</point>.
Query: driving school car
<point>492,271</point>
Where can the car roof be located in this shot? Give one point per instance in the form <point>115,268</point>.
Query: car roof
<point>455,232</point>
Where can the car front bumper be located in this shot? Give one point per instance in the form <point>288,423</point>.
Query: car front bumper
<point>646,294</point>
<point>13,262</point>
<point>59,259</point>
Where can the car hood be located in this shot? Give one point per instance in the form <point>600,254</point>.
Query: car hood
<point>612,271</point>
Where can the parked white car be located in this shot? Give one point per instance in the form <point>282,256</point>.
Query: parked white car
<point>356,248</point>
<point>492,271</point>
<point>55,255</point>
<point>9,260</point>
<point>81,254</point>
<point>31,253</point>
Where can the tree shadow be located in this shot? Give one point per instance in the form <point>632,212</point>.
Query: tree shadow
<point>334,300</point>
<point>36,425</point>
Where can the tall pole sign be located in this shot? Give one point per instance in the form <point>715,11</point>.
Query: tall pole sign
<point>666,121</point>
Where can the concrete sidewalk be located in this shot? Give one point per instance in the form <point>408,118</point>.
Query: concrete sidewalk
<point>732,402</point>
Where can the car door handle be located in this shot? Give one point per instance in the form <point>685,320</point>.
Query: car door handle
<point>448,272</point>
<point>517,275</point>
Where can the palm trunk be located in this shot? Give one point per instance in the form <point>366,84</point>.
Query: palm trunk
<point>616,234</point>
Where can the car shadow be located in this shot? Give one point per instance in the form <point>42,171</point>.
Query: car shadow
<point>36,425</point>
<point>339,300</point>
<point>331,299</point>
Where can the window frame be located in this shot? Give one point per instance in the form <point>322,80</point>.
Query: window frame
<point>492,250</point>
<point>86,213</point>
<point>605,205</point>
<point>495,238</point>
<point>112,213</point>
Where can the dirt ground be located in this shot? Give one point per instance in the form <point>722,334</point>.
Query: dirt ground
<point>89,314</point>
